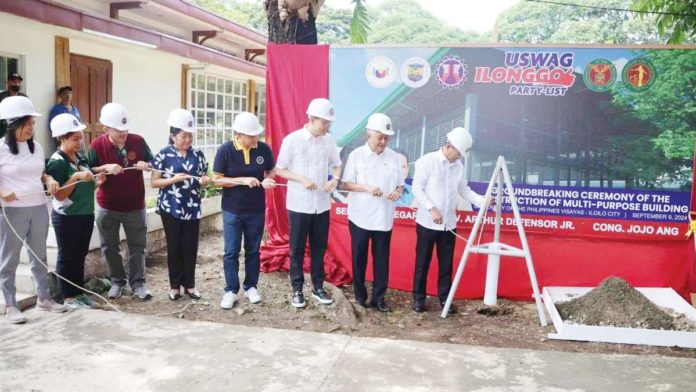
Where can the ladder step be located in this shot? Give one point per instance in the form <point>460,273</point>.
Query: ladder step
<point>500,245</point>
<point>500,252</point>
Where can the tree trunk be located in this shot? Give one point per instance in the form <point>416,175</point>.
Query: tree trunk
<point>292,30</point>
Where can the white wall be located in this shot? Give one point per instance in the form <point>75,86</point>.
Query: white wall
<point>146,81</point>
<point>36,50</point>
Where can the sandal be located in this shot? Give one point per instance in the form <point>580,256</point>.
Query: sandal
<point>193,294</point>
<point>174,296</point>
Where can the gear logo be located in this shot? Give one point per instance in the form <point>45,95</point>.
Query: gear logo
<point>451,72</point>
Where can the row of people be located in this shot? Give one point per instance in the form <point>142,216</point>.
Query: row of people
<point>244,167</point>
<point>179,170</point>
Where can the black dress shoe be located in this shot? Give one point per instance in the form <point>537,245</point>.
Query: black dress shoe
<point>322,296</point>
<point>381,306</point>
<point>362,303</point>
<point>418,306</point>
<point>452,308</point>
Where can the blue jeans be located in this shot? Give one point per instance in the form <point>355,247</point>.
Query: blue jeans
<point>249,225</point>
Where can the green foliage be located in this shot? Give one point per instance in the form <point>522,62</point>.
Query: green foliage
<point>535,23</point>
<point>668,108</point>
<point>399,21</point>
<point>670,104</point>
<point>333,25</point>
<point>360,23</point>
<point>210,190</point>
<point>680,23</point>
<point>249,14</point>
<point>406,22</point>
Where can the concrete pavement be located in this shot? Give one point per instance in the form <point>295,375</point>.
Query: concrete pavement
<point>90,350</point>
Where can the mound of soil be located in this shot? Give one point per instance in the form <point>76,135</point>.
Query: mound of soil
<point>615,303</point>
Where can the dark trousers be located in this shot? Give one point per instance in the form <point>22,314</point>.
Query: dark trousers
<point>360,242</point>
<point>73,233</point>
<point>426,240</point>
<point>182,250</point>
<point>250,227</point>
<point>316,228</point>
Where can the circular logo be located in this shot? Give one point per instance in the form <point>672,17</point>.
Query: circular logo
<point>124,120</point>
<point>131,155</point>
<point>451,72</point>
<point>332,111</point>
<point>74,122</point>
<point>415,72</point>
<point>599,75</point>
<point>638,74</point>
<point>388,126</point>
<point>190,123</point>
<point>260,160</point>
<point>380,71</point>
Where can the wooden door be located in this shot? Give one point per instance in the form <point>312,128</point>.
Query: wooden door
<point>90,79</point>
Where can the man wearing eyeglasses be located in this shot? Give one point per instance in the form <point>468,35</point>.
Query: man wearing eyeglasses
<point>438,178</point>
<point>121,198</point>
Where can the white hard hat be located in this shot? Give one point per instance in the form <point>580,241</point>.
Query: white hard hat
<point>114,115</point>
<point>65,123</point>
<point>381,123</point>
<point>182,119</point>
<point>322,108</point>
<point>247,123</point>
<point>16,107</point>
<point>461,140</point>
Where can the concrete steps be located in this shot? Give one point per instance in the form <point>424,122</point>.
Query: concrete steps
<point>26,291</point>
<point>24,281</point>
<point>24,301</point>
<point>51,257</point>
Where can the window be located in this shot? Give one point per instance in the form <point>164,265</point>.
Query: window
<point>261,103</point>
<point>8,66</point>
<point>214,101</point>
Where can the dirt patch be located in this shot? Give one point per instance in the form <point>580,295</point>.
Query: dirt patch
<point>615,303</point>
<point>510,324</point>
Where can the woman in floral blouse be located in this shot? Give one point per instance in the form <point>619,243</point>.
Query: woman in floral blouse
<point>179,200</point>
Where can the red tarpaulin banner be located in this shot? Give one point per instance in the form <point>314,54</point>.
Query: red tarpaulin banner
<point>296,74</point>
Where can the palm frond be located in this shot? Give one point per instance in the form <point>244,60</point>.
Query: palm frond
<point>360,24</point>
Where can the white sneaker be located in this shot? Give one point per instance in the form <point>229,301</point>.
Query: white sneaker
<point>228,300</point>
<point>49,305</point>
<point>14,315</point>
<point>253,295</point>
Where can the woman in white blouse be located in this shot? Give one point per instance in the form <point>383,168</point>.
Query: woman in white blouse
<point>24,209</point>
